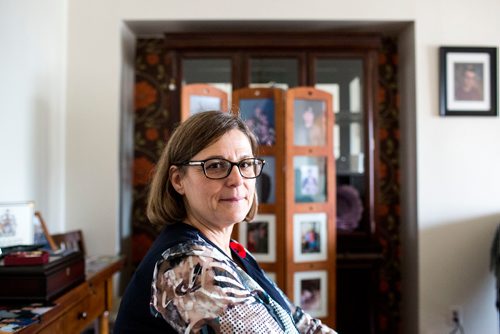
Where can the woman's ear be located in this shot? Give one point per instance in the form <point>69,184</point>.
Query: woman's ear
<point>176,179</point>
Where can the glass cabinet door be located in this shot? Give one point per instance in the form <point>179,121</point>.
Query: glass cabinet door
<point>214,71</point>
<point>277,72</point>
<point>343,78</point>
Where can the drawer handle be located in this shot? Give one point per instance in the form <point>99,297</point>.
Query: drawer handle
<point>82,315</point>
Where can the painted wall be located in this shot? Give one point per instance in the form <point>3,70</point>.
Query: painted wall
<point>32,117</point>
<point>457,158</point>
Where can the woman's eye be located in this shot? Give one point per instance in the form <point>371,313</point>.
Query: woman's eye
<point>214,165</point>
<point>217,164</point>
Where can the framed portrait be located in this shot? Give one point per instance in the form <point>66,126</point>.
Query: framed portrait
<point>310,237</point>
<point>259,116</point>
<point>196,98</point>
<point>468,81</point>
<point>259,237</point>
<point>309,122</point>
<point>265,183</point>
<point>42,236</point>
<point>16,224</point>
<point>310,292</point>
<point>310,179</point>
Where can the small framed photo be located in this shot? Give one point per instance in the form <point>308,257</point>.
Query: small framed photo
<point>310,292</point>
<point>200,103</point>
<point>42,236</point>
<point>16,224</point>
<point>310,237</point>
<point>265,185</point>
<point>259,115</point>
<point>310,179</point>
<point>468,81</point>
<point>259,237</point>
<point>309,122</point>
<point>196,98</point>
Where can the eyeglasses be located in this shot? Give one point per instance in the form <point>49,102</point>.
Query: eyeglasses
<point>216,168</point>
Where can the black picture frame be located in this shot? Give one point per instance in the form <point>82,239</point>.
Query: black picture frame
<point>468,81</point>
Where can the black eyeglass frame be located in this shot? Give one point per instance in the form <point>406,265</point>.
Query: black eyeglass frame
<point>229,170</point>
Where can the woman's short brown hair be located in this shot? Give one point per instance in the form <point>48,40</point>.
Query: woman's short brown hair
<point>165,204</point>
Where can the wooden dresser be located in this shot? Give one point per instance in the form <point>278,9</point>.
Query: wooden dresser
<point>82,305</point>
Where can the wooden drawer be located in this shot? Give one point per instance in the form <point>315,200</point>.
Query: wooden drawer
<point>82,313</point>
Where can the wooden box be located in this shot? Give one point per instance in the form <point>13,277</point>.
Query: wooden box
<point>42,282</point>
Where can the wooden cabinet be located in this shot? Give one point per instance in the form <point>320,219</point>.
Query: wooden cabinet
<point>81,306</point>
<point>345,66</point>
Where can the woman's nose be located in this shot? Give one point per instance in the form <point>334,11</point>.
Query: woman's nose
<point>234,178</point>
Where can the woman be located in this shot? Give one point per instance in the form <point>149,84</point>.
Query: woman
<point>194,278</point>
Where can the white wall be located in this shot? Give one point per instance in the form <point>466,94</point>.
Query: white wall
<point>32,95</point>
<point>459,190</point>
<point>457,158</point>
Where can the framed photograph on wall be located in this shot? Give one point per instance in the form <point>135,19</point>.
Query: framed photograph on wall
<point>16,224</point>
<point>259,237</point>
<point>310,237</point>
<point>468,81</point>
<point>265,183</point>
<point>310,179</point>
<point>310,292</point>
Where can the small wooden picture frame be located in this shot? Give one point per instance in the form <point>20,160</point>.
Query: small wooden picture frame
<point>42,235</point>
<point>197,98</point>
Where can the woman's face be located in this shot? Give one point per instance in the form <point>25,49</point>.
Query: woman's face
<point>218,203</point>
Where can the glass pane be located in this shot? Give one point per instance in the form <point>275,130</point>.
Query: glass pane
<point>279,72</point>
<point>343,78</point>
<point>214,71</point>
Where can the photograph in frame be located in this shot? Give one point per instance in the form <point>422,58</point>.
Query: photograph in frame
<point>264,184</point>
<point>200,103</point>
<point>310,292</point>
<point>259,116</point>
<point>468,81</point>
<point>310,233</point>
<point>16,224</point>
<point>259,237</point>
<point>309,124</point>
<point>310,179</point>
<point>42,236</point>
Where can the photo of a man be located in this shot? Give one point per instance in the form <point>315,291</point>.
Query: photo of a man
<point>469,82</point>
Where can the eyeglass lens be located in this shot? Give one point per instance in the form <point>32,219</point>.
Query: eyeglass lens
<point>220,168</point>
